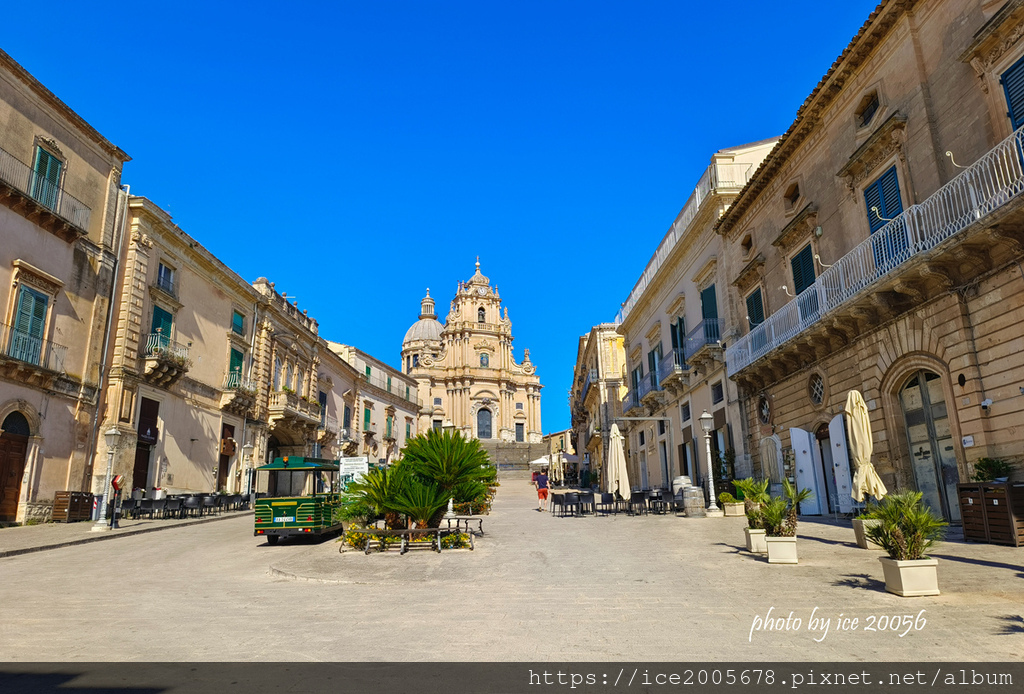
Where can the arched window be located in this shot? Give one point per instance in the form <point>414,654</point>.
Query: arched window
<point>481,315</point>
<point>277,374</point>
<point>483,424</point>
<point>288,376</point>
<point>483,360</point>
<point>16,424</point>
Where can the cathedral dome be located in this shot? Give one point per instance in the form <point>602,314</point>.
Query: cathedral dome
<point>427,328</point>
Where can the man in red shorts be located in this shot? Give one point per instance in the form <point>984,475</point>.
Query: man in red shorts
<point>542,489</point>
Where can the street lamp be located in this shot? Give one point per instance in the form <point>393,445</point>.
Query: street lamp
<point>706,423</point>
<point>112,436</point>
<point>247,457</point>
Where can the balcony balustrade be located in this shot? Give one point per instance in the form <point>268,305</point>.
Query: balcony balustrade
<point>396,388</point>
<point>166,360</point>
<point>239,394</point>
<point>673,369</point>
<point>978,191</point>
<point>32,351</point>
<point>630,402</point>
<point>50,196</point>
<point>705,334</point>
<point>649,384</point>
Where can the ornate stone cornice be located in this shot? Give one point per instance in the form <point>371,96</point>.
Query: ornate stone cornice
<point>798,228</point>
<point>995,38</point>
<point>749,274</point>
<point>29,274</point>
<point>890,137</point>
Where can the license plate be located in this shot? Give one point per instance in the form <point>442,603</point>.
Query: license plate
<point>284,519</point>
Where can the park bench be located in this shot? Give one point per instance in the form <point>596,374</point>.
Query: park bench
<point>407,538</point>
<point>465,522</point>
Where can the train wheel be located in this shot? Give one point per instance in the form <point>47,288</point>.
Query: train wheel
<point>272,539</point>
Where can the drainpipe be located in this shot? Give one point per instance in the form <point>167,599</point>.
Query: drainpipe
<point>122,201</point>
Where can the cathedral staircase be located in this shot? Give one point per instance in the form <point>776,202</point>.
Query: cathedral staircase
<point>513,459</point>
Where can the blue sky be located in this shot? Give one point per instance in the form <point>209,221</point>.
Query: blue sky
<point>357,153</point>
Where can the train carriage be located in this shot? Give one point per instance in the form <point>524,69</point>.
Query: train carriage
<point>297,496</point>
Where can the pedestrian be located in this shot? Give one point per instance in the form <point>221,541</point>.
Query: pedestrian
<point>542,489</point>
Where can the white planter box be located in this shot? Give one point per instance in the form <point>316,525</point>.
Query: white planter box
<point>732,510</point>
<point>781,550</point>
<point>755,541</point>
<point>911,578</point>
<point>860,531</point>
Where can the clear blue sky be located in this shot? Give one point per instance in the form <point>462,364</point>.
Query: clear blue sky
<point>356,153</point>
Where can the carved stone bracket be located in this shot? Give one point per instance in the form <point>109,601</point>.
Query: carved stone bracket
<point>890,137</point>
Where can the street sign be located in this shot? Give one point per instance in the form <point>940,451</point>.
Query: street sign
<point>354,467</point>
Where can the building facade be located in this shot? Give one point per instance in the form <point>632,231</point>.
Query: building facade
<point>674,324</point>
<point>468,378</point>
<point>598,387</point>
<point>881,242</point>
<point>61,221</point>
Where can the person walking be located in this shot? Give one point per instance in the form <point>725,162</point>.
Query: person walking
<point>542,489</point>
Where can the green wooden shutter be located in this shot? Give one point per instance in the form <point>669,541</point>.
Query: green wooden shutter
<point>29,325</point>
<point>803,269</point>
<point>709,304</point>
<point>366,417</point>
<point>46,178</point>
<point>162,323</point>
<point>236,362</point>
<point>755,309</point>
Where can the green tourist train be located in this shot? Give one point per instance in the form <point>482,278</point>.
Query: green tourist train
<point>298,496</point>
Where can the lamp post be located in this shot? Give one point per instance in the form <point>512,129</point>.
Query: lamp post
<point>247,457</point>
<point>112,436</point>
<point>706,422</point>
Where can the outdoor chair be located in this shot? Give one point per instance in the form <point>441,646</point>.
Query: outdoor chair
<point>172,508</point>
<point>145,508</point>
<point>677,502</point>
<point>129,508</point>
<point>209,504</point>
<point>606,504</point>
<point>638,503</point>
<point>657,502</point>
<point>571,503</point>
<point>244,501</point>
<point>555,503</point>
<point>587,503</point>
<point>191,506</point>
<point>234,502</point>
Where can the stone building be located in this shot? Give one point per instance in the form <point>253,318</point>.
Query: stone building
<point>468,377</point>
<point>674,325</point>
<point>879,247</point>
<point>61,221</point>
<point>595,399</point>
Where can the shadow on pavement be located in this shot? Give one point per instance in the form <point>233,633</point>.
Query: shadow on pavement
<point>861,581</point>
<point>978,562</point>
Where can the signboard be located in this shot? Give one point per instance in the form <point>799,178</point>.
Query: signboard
<point>354,467</point>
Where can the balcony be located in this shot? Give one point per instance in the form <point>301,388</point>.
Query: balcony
<point>631,404</point>
<point>238,394</point>
<point>40,200</point>
<point>166,284</point>
<point>589,379</point>
<point>703,343</point>
<point>673,371</point>
<point>397,388</point>
<point>28,359</point>
<point>920,251</point>
<point>328,430</point>
<point>717,178</point>
<point>297,415</point>
<point>649,390</point>
<point>165,360</point>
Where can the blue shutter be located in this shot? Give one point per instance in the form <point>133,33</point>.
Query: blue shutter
<point>1013,86</point>
<point>803,270</point>
<point>755,309</point>
<point>885,195</point>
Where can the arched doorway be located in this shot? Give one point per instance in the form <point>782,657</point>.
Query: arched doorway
<point>483,424</point>
<point>13,450</point>
<point>930,442</point>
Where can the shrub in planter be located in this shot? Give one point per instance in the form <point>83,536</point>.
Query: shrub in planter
<point>780,523</point>
<point>861,524</point>
<point>906,530</point>
<point>754,494</point>
<point>730,505</point>
<point>989,469</point>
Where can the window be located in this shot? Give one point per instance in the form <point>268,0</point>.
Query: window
<point>163,321</point>
<point>653,360</point>
<point>684,411</point>
<point>481,315</point>
<point>755,309</point>
<point>640,437</point>
<point>791,197</point>
<point>882,199</point>
<point>867,109</point>
<point>277,374</point>
<point>366,418</point>
<point>408,364</point>
<point>347,421</point>
<point>388,424</point>
<point>407,392</point>
<point>519,406</point>
<point>636,376</point>
<point>415,360</point>
<point>238,322</point>
<point>709,312</point>
<point>26,341</point>
<point>677,332</point>
<point>438,424</point>
<point>322,399</point>
<point>764,410</point>
<point>520,432</point>
<point>561,443</point>
<point>747,245</point>
<point>717,393</point>
<point>484,360</point>
<point>288,384</point>
<point>1013,87</point>
<point>408,430</point>
<point>165,278</point>
<point>235,368</point>
<point>46,178</point>
<point>803,270</point>
<point>661,427</point>
<point>437,402</point>
<point>367,371</point>
<point>816,388</point>
<point>389,384</point>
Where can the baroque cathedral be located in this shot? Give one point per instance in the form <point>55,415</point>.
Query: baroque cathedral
<point>468,378</point>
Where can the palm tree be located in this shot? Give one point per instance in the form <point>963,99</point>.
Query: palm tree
<point>379,489</point>
<point>458,466</point>
<point>421,502</point>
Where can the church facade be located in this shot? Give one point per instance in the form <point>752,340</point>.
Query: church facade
<point>468,379</point>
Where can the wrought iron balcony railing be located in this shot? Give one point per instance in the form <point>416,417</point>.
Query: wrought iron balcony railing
<point>630,401</point>
<point>395,387</point>
<point>21,346</point>
<point>20,175</point>
<point>157,344</point>
<point>235,381</point>
<point>705,333</point>
<point>648,384</point>
<point>672,363</point>
<point>991,182</point>
<point>166,284</point>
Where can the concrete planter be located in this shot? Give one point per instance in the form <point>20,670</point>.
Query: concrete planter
<point>911,578</point>
<point>732,510</point>
<point>755,540</point>
<point>781,550</point>
<point>860,531</point>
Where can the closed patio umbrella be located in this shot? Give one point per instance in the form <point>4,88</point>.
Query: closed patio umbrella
<point>555,473</point>
<point>616,477</point>
<point>858,425</point>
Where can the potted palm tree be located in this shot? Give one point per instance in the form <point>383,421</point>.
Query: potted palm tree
<point>906,530</point>
<point>861,523</point>
<point>780,523</point>
<point>754,495</point>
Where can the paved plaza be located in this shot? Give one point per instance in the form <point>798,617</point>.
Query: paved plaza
<point>536,588</point>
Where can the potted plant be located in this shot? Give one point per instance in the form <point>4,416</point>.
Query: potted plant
<point>754,494</point>
<point>906,530</point>
<point>861,523</point>
<point>730,505</point>
<point>780,523</point>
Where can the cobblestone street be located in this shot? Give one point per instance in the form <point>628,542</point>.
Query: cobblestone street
<point>535,588</point>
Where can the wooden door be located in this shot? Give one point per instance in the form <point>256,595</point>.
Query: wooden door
<point>12,466</point>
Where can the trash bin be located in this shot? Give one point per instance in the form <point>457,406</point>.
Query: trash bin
<point>69,507</point>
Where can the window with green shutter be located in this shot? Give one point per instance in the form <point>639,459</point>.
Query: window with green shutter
<point>367,371</point>
<point>26,342</point>
<point>803,270</point>
<point>46,178</point>
<point>163,322</point>
<point>366,417</point>
<point>238,322</point>
<point>235,367</point>
<point>408,431</point>
<point>755,309</point>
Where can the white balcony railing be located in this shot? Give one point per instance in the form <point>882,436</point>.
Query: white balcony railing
<point>157,344</point>
<point>716,177</point>
<point>16,173</point>
<point>988,184</point>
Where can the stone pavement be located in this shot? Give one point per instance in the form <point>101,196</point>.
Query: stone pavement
<point>653,588</point>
